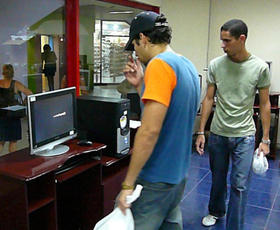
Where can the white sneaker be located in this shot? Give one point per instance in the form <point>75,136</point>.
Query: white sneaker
<point>209,220</point>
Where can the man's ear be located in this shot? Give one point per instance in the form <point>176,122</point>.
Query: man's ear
<point>141,35</point>
<point>243,37</point>
<point>143,38</point>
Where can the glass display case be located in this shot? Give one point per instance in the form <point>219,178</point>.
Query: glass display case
<point>110,58</point>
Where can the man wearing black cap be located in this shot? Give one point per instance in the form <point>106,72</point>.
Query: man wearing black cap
<point>169,89</point>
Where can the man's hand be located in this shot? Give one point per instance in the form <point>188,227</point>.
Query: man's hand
<point>133,72</point>
<point>263,148</point>
<point>199,144</point>
<point>122,204</point>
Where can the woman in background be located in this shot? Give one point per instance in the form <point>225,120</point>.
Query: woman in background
<point>10,128</point>
<point>49,62</point>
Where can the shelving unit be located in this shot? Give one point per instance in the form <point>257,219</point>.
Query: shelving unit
<point>110,58</point>
<point>44,218</point>
<point>113,173</point>
<point>41,192</point>
<point>36,194</point>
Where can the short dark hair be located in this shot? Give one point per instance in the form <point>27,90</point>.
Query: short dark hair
<point>160,34</point>
<point>236,27</point>
<point>46,47</point>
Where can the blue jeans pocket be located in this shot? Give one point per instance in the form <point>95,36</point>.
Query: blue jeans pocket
<point>213,139</point>
<point>249,139</point>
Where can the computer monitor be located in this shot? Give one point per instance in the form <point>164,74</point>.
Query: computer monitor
<point>52,120</point>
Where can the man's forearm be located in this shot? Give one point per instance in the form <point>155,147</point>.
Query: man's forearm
<point>205,112</point>
<point>265,118</point>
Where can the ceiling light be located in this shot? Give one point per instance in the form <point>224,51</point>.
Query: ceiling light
<point>121,12</point>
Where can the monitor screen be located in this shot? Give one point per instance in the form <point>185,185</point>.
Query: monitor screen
<point>52,120</point>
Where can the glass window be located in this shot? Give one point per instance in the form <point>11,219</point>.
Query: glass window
<point>29,26</point>
<point>104,31</point>
<point>114,35</point>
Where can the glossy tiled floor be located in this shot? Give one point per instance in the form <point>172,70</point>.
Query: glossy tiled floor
<point>263,206</point>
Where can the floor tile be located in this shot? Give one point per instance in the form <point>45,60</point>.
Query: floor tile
<point>276,206</point>
<point>256,216</point>
<point>264,185</point>
<point>197,173</point>
<point>199,161</point>
<point>191,185</point>
<point>263,207</point>
<point>261,199</point>
<point>274,164</point>
<point>203,188</point>
<point>197,203</point>
<point>194,207</point>
<point>252,227</point>
<point>271,174</point>
<point>194,226</point>
<point>273,221</point>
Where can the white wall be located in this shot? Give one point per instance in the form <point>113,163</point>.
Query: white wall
<point>263,20</point>
<point>189,20</point>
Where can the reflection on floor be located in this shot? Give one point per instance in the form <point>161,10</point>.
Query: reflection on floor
<point>263,207</point>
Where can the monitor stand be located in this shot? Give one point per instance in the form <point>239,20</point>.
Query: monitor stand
<point>56,150</point>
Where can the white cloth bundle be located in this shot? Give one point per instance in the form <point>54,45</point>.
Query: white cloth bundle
<point>260,163</point>
<point>116,219</point>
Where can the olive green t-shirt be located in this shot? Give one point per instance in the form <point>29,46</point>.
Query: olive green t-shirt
<point>236,86</point>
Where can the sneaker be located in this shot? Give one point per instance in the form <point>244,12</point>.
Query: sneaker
<point>209,220</point>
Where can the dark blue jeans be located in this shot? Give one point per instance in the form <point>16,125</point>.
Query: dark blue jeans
<point>240,150</point>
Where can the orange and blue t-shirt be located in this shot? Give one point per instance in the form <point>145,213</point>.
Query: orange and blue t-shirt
<point>171,80</point>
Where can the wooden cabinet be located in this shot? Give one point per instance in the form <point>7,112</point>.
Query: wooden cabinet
<point>34,195</point>
<point>113,174</point>
<point>41,202</point>
<point>79,197</point>
<point>41,193</point>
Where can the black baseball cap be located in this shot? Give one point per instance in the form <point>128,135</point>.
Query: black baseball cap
<point>144,21</point>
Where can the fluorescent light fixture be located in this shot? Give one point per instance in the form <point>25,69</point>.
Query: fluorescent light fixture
<point>121,12</point>
<point>21,37</point>
<point>14,42</point>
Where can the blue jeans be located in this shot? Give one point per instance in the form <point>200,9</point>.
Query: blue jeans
<point>240,150</point>
<point>158,206</point>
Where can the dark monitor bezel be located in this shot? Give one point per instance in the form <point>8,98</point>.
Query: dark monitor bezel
<point>50,143</point>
